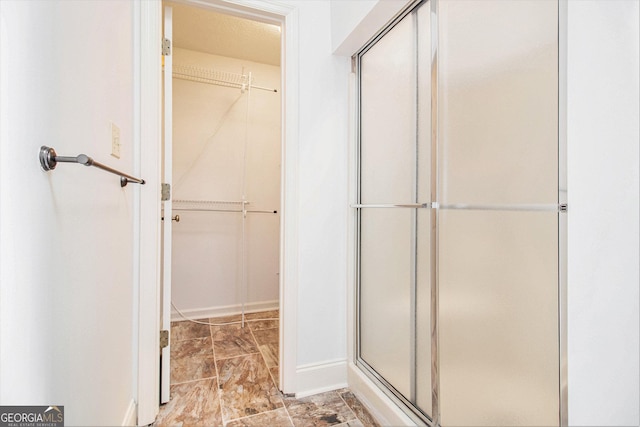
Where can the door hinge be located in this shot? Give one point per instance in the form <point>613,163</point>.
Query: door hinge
<point>166,192</point>
<point>164,338</point>
<point>166,47</point>
<point>563,207</point>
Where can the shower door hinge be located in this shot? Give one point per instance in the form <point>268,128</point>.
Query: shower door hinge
<point>164,338</point>
<point>166,192</point>
<point>166,47</point>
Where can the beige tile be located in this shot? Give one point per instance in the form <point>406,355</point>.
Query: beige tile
<point>358,408</point>
<point>323,409</point>
<point>270,314</point>
<point>257,325</point>
<point>226,319</point>
<point>194,403</point>
<point>193,347</point>
<point>270,354</point>
<point>267,340</point>
<point>192,360</point>
<point>267,336</point>
<point>246,387</point>
<point>277,418</point>
<point>232,341</point>
<point>275,376</point>
<point>190,369</point>
<point>186,330</point>
<point>353,423</point>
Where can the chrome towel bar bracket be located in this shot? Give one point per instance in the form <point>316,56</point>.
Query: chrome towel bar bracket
<point>49,160</point>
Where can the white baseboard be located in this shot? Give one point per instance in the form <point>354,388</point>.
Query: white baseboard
<point>224,310</point>
<point>131,416</point>
<point>320,377</point>
<point>379,404</point>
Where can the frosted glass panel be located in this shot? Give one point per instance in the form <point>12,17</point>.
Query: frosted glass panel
<point>498,332</point>
<point>385,284</point>
<point>498,97</point>
<point>388,149</point>
<point>395,245</point>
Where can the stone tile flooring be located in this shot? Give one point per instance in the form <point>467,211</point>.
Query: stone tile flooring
<point>226,375</point>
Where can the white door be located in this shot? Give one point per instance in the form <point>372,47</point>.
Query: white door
<point>165,376</point>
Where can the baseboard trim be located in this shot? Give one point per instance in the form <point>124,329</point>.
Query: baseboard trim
<point>224,310</point>
<point>379,404</point>
<point>320,377</point>
<point>131,416</point>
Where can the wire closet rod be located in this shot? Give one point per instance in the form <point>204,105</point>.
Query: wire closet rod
<point>218,78</point>
<point>210,202</point>
<point>49,160</point>
<point>222,210</point>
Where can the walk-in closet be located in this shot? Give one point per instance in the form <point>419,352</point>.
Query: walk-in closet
<point>226,164</point>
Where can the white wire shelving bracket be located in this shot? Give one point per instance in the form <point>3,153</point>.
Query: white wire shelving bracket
<point>216,77</point>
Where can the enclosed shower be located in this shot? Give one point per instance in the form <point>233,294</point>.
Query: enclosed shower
<point>226,176</point>
<point>459,213</point>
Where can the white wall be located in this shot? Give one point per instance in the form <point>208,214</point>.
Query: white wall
<point>322,190</point>
<point>66,235</point>
<point>354,22</point>
<point>210,124</point>
<point>603,138</point>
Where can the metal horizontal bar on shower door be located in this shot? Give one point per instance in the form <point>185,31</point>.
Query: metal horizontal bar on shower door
<point>49,160</point>
<point>393,205</point>
<point>504,207</point>
<point>562,207</point>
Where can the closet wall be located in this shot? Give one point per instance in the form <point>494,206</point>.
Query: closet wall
<point>210,126</point>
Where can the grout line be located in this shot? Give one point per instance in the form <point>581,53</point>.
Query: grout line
<point>277,386</point>
<point>264,359</point>
<point>350,408</point>
<point>287,411</point>
<point>193,381</point>
<point>255,415</point>
<point>218,384</point>
<point>238,355</point>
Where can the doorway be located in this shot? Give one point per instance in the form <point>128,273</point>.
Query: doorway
<point>149,30</point>
<point>226,163</point>
<point>222,161</point>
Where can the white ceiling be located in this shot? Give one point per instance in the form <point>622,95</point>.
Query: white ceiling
<point>218,34</point>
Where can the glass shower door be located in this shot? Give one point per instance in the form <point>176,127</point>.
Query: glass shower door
<point>394,215</point>
<point>459,213</point>
<point>498,218</point>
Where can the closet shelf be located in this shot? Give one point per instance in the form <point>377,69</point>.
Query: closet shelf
<point>216,77</point>
<point>209,202</point>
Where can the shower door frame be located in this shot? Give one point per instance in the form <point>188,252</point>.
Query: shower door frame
<point>362,378</point>
<point>412,410</point>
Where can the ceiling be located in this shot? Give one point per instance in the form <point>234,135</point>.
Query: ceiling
<point>206,31</point>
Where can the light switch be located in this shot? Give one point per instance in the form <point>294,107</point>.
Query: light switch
<point>115,140</point>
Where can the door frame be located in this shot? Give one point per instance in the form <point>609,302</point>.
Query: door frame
<point>147,148</point>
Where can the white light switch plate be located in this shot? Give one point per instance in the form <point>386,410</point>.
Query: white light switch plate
<point>115,141</point>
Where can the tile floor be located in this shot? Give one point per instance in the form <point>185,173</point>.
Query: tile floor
<point>226,375</point>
